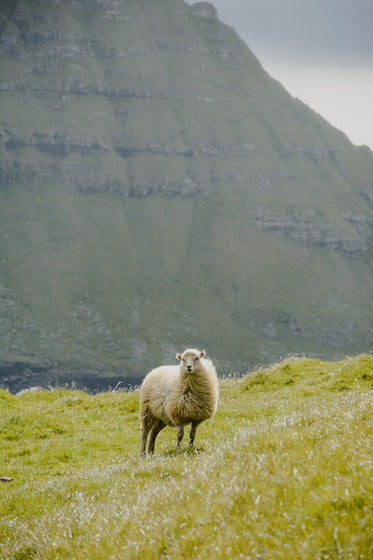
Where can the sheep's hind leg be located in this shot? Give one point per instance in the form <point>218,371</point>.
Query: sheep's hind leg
<point>180,435</point>
<point>153,435</point>
<point>193,433</point>
<point>147,425</point>
<point>144,437</point>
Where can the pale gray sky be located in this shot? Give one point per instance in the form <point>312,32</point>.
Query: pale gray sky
<point>320,50</point>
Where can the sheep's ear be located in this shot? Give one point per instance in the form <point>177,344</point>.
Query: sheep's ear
<point>202,353</point>
<point>178,356</point>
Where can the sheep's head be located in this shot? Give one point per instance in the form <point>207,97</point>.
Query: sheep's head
<point>190,359</point>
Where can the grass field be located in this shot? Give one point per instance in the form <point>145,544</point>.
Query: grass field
<point>283,471</point>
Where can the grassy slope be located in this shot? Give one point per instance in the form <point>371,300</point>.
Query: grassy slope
<point>283,471</point>
<point>128,282</point>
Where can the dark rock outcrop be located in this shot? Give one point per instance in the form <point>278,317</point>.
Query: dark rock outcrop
<point>307,230</point>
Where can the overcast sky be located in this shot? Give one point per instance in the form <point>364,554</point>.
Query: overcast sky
<point>320,50</point>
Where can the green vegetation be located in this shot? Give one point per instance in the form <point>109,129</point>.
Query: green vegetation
<point>119,285</point>
<point>283,471</point>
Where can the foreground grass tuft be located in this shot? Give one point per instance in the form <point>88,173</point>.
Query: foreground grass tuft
<point>283,471</point>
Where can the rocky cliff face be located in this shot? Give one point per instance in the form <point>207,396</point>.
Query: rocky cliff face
<point>159,190</point>
<point>100,98</point>
<point>140,98</point>
<point>308,230</point>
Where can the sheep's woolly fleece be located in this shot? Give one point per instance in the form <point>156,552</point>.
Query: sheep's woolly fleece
<point>177,396</point>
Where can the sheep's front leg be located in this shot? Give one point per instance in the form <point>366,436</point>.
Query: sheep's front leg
<point>180,435</point>
<point>193,433</point>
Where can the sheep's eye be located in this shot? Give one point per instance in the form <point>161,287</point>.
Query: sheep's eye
<point>196,358</point>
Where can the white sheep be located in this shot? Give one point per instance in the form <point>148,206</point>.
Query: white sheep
<point>176,396</point>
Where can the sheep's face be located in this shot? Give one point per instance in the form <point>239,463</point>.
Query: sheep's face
<point>190,359</point>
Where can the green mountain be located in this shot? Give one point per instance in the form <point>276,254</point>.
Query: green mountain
<point>160,190</point>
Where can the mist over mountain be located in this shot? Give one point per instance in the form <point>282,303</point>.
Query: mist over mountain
<point>160,190</point>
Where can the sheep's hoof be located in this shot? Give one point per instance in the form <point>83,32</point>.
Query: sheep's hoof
<point>6,479</point>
